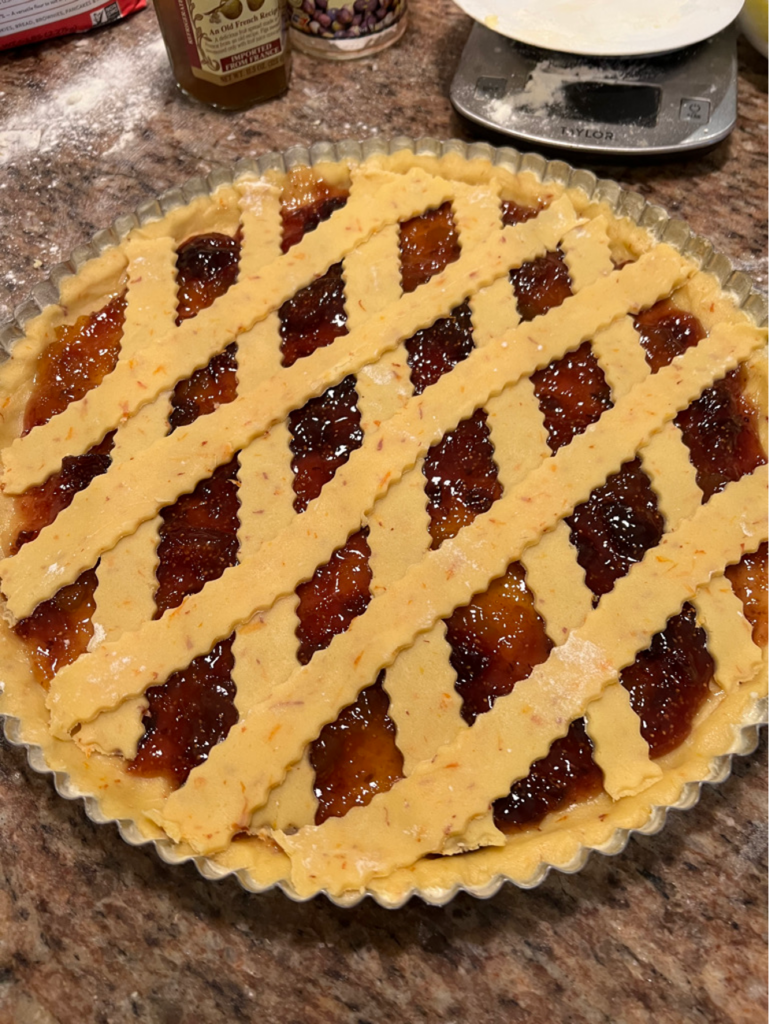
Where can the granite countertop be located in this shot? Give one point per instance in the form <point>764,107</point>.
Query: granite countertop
<point>92,930</point>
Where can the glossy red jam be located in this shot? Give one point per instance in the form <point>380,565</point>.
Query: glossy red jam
<point>59,630</point>
<point>427,244</point>
<point>325,431</point>
<point>749,581</point>
<point>314,317</point>
<point>572,393</point>
<point>614,528</point>
<point>541,285</point>
<point>720,431</point>
<point>564,776</point>
<point>301,214</point>
<point>356,756</point>
<point>669,681</point>
<point>666,331</point>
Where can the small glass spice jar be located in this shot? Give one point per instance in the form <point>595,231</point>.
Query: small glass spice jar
<point>345,29</point>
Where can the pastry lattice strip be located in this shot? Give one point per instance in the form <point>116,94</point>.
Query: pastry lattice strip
<point>86,528</point>
<point>337,512</point>
<point>429,591</point>
<point>264,651</point>
<point>126,580</point>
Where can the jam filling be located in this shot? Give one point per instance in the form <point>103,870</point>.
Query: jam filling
<point>496,641</point>
<point>614,528</point>
<point>427,243</point>
<point>720,431</point>
<point>60,629</point>
<point>541,285</point>
<point>749,581</point>
<point>39,506</point>
<point>461,478</point>
<point>516,213</point>
<point>669,681</point>
<point>566,775</point>
<point>314,317</point>
<point>337,592</point>
<point>206,267</point>
<point>356,756</point>
<point>325,431</point>
<point>77,360</point>
<point>303,212</point>
<point>498,637</point>
<point>433,351</point>
<point>572,394</point>
<point>666,331</point>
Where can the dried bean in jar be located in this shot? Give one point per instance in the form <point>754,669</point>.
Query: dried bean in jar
<point>329,28</point>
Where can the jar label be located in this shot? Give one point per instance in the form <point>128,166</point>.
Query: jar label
<point>229,40</point>
<point>344,21</point>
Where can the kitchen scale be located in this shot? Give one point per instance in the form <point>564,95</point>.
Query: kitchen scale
<point>665,83</point>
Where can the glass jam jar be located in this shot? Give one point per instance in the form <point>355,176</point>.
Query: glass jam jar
<point>345,29</point>
<point>227,53</point>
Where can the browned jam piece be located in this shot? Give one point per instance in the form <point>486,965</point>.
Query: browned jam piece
<point>438,348</point>
<point>496,641</point>
<point>614,528</point>
<point>428,243</point>
<point>541,285</point>
<point>324,433</point>
<point>207,389</point>
<point>299,219</point>
<point>78,359</point>
<point>188,715</point>
<point>566,775</point>
<point>721,432</point>
<point>337,592</point>
<point>669,681</point>
<point>314,317</point>
<point>666,331</point>
<point>356,757</point>
<point>572,393</point>
<point>749,581</point>
<point>206,266</point>
<point>39,506</point>
<point>515,213</point>
<point>59,630</point>
<point>461,478</point>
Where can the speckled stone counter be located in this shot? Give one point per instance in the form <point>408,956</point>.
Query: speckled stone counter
<point>92,930</point>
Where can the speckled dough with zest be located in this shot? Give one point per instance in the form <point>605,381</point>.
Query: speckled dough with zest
<point>385,528</point>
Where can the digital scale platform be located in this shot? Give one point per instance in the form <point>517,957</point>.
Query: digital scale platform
<point>632,104</point>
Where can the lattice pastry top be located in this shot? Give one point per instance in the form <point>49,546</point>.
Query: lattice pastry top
<point>385,527</point>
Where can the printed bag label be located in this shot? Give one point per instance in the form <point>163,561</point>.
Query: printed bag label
<point>30,21</point>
